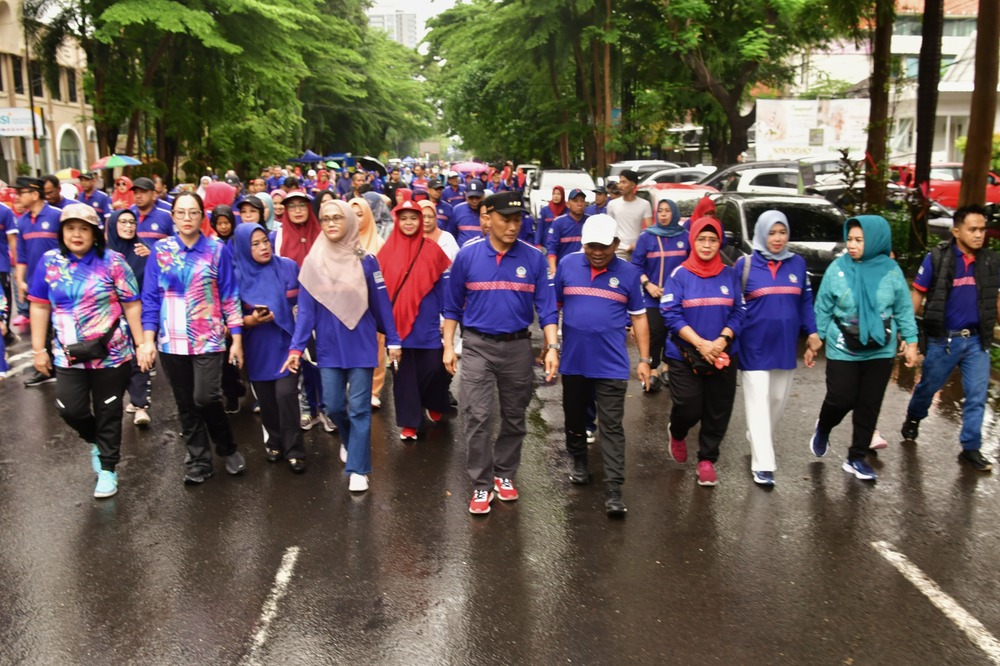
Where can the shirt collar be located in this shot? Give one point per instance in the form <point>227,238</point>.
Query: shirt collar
<point>200,245</point>
<point>492,251</point>
<point>85,259</point>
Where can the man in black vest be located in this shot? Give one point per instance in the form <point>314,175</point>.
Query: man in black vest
<point>960,281</point>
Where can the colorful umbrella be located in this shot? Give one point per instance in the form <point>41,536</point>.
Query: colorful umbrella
<point>470,167</point>
<point>112,161</point>
<point>67,174</point>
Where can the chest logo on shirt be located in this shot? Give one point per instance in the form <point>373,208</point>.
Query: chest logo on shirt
<point>521,272</point>
<point>613,283</point>
<point>680,244</point>
<point>378,276</point>
<point>154,226</point>
<point>724,289</point>
<point>45,225</point>
<point>793,277</point>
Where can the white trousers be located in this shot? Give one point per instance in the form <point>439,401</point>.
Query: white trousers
<point>765,394</point>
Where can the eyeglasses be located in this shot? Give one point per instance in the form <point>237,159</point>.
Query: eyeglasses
<point>187,214</point>
<point>127,221</point>
<point>330,219</point>
<point>296,206</point>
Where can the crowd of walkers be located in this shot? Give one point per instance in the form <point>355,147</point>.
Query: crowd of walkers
<point>312,290</point>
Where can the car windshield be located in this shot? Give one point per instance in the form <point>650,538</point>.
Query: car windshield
<point>809,222</point>
<point>946,173</point>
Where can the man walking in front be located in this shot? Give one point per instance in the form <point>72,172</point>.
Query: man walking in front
<point>960,281</point>
<point>494,289</point>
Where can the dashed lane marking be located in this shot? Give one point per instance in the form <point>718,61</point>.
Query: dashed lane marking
<point>270,608</point>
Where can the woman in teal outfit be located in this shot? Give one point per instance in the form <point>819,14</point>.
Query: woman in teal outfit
<point>862,305</point>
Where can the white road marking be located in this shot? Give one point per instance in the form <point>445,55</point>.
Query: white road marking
<point>270,608</point>
<point>961,618</point>
<point>24,354</point>
<point>19,368</point>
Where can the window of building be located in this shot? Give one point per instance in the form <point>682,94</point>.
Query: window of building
<point>18,67</point>
<point>57,91</point>
<point>70,151</point>
<point>71,84</point>
<point>36,79</point>
<point>959,27</point>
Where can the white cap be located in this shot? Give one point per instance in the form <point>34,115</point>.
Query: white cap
<point>311,173</point>
<point>600,229</point>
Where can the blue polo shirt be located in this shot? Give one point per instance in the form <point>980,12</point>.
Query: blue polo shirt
<point>7,226</point>
<point>527,233</point>
<point>99,201</point>
<point>594,209</point>
<point>597,307</point>
<point>453,195</point>
<point>154,226</point>
<point>564,236</point>
<point>444,213</point>
<point>657,257</point>
<point>464,224</point>
<point>499,293</point>
<point>705,304</point>
<point>961,310</point>
<point>39,234</point>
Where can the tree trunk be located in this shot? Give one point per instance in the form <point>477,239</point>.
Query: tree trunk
<point>151,67</point>
<point>878,116</point>
<point>608,156</point>
<point>927,96</point>
<point>600,120</point>
<point>739,137</point>
<point>563,116</point>
<point>984,106</point>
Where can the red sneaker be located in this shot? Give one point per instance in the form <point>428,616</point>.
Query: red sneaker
<point>408,434</point>
<point>706,474</point>
<point>434,416</point>
<point>678,449</point>
<point>505,489</point>
<point>481,501</point>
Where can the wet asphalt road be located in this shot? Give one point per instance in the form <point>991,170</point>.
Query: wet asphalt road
<point>164,574</point>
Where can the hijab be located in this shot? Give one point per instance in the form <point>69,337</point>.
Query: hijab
<point>269,220</point>
<point>864,275</point>
<point>125,247</point>
<point>202,184</point>
<point>379,210</point>
<point>332,272</point>
<point>127,198</point>
<point>297,239</point>
<point>403,194</point>
<point>768,219</point>
<point>322,196</point>
<point>703,208</point>
<point>411,266</point>
<point>436,234</point>
<point>367,229</point>
<point>696,264</point>
<point>558,208</point>
<point>674,228</point>
<point>261,284</point>
<point>222,210</point>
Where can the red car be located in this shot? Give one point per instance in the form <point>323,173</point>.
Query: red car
<point>945,182</point>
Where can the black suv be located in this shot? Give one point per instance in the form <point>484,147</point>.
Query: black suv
<point>816,234</point>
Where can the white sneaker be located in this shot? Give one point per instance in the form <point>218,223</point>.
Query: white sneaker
<point>130,408</point>
<point>141,417</point>
<point>878,442</point>
<point>343,454</point>
<point>376,402</point>
<point>358,484</point>
<point>307,421</point>
<point>591,437</point>
<point>328,424</point>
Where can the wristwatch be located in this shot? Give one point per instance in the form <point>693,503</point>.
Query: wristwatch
<point>554,345</point>
<point>645,282</point>
<point>727,338</point>
<point>647,361</point>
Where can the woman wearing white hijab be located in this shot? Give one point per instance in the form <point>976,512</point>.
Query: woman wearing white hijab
<point>343,301</point>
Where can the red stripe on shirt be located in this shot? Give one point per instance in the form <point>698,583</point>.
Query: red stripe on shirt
<point>967,281</point>
<point>570,239</point>
<point>31,235</point>
<point>501,285</point>
<point>702,302</point>
<point>772,291</point>
<point>596,293</point>
<point>291,293</point>
<point>667,253</point>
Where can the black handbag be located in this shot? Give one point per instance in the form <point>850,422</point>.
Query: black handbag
<point>699,365</point>
<point>94,349</point>
<point>852,336</point>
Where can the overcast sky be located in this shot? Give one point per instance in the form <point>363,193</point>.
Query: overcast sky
<point>424,9</point>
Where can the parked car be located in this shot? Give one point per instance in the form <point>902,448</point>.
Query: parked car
<point>542,182</point>
<point>766,180</point>
<point>685,195</point>
<point>679,175</point>
<point>945,182</point>
<point>817,227</point>
<point>717,178</point>
<point>641,167</point>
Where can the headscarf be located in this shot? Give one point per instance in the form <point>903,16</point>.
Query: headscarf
<point>404,192</point>
<point>297,239</point>
<point>320,198</point>
<point>436,234</point>
<point>278,196</point>
<point>379,210</point>
<point>865,274</point>
<point>332,272</point>
<point>269,220</point>
<point>696,264</point>
<point>367,229</point>
<point>674,228</point>
<point>219,193</point>
<point>204,182</point>
<point>127,198</point>
<point>261,284</point>
<point>558,208</point>
<point>222,210</point>
<point>768,219</point>
<point>411,266</point>
<point>703,208</point>
<point>125,247</point>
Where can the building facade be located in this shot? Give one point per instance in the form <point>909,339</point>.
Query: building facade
<point>400,26</point>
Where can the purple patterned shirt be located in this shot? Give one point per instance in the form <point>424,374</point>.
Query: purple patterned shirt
<point>86,294</point>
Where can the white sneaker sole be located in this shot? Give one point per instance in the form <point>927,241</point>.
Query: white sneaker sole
<point>864,477</point>
<point>358,484</point>
<point>480,512</point>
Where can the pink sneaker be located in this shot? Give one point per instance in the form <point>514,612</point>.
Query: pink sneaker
<point>706,474</point>
<point>678,449</point>
<point>19,321</point>
<point>878,442</point>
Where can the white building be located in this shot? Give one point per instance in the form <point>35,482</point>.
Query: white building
<point>400,26</point>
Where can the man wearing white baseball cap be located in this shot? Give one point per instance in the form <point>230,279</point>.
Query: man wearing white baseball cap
<point>600,296</point>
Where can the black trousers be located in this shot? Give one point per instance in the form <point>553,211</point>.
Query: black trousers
<point>420,383</point>
<point>232,382</point>
<point>90,402</point>
<point>657,335</point>
<point>139,386</point>
<point>858,386</point>
<point>196,382</point>
<point>579,393</point>
<point>704,398</point>
<point>279,414</point>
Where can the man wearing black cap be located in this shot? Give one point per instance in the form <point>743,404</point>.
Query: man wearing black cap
<point>39,231</point>
<point>444,210</point>
<point>92,196</point>
<point>494,288</point>
<point>154,223</point>
<point>600,204</point>
<point>465,224</point>
<point>565,231</point>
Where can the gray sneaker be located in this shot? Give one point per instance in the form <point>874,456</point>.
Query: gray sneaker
<point>235,464</point>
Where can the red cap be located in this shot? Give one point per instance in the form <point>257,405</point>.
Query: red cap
<point>406,205</point>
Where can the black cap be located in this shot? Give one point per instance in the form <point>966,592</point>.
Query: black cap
<point>143,184</point>
<point>89,175</point>
<point>505,203</point>
<point>475,188</point>
<point>233,180</point>
<point>29,183</point>
<point>600,189</point>
<point>435,184</point>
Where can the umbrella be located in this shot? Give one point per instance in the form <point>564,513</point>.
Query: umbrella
<point>112,161</point>
<point>372,164</point>
<point>408,160</point>
<point>67,174</point>
<point>470,167</point>
<point>308,156</point>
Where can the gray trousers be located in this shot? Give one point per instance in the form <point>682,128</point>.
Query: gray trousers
<point>609,396</point>
<point>489,367</point>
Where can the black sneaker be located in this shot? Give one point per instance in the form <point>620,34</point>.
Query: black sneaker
<point>235,464</point>
<point>581,473</point>
<point>38,379</point>
<point>613,504</point>
<point>910,429</point>
<point>232,405</point>
<point>975,459</point>
<point>196,477</point>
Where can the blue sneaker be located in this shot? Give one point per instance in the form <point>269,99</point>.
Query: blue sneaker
<point>107,484</point>
<point>820,442</point>
<point>763,478</point>
<point>95,459</point>
<point>860,469</point>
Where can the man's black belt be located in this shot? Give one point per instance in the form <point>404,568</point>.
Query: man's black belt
<point>964,332</point>
<point>500,337</point>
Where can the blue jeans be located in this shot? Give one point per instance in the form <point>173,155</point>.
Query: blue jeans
<point>347,395</point>
<point>969,355</point>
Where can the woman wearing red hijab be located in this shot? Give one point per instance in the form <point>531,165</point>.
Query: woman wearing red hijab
<point>123,196</point>
<point>412,266</point>
<point>702,309</point>
<point>549,212</point>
